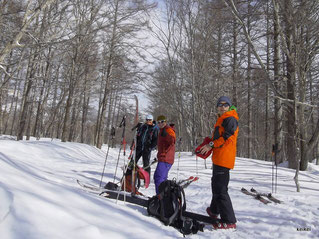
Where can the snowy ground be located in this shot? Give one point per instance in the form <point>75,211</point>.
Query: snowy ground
<point>40,197</point>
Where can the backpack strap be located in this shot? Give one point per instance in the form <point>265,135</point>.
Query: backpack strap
<point>169,220</point>
<point>175,203</point>
<point>183,199</point>
<point>181,195</point>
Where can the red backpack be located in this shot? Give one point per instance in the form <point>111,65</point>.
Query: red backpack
<point>140,174</point>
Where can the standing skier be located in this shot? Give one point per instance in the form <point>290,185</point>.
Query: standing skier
<point>146,142</point>
<point>166,151</point>
<point>224,143</point>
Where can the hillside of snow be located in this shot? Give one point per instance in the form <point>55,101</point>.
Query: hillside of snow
<point>40,197</point>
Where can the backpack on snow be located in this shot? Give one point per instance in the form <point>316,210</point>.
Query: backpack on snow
<point>140,174</point>
<point>169,205</point>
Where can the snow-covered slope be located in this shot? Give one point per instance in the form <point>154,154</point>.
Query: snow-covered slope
<point>40,197</point>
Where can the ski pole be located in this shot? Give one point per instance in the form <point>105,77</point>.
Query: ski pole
<point>122,124</point>
<point>107,153</point>
<point>179,156</point>
<point>133,176</point>
<point>205,163</point>
<point>272,169</point>
<point>196,165</point>
<point>154,161</point>
<point>123,181</point>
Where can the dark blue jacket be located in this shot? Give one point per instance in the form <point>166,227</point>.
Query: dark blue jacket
<point>147,137</point>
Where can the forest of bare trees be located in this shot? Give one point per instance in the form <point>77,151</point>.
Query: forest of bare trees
<point>69,69</point>
<point>263,54</point>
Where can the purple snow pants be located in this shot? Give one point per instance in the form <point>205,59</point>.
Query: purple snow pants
<point>161,173</point>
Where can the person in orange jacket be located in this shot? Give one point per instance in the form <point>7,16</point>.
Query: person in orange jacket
<point>224,144</point>
<point>165,151</point>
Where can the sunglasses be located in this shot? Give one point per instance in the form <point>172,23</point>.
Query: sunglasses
<point>162,121</point>
<point>223,105</point>
<point>149,120</point>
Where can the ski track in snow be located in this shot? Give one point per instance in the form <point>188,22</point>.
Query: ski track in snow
<point>40,197</point>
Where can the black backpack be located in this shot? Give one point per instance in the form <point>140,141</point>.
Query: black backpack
<point>169,206</point>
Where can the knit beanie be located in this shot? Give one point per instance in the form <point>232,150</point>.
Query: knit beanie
<point>161,117</point>
<point>224,99</point>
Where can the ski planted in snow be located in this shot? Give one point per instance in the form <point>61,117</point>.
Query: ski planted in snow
<point>144,202</point>
<point>268,195</point>
<point>256,196</point>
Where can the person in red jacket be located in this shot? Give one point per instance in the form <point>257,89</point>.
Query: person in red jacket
<point>224,144</point>
<point>166,151</point>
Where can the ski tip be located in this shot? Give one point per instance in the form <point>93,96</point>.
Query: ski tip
<point>104,194</point>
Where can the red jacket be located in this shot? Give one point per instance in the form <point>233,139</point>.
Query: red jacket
<point>225,139</point>
<point>166,145</point>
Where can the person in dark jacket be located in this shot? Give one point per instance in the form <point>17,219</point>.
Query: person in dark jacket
<point>146,142</point>
<point>224,143</point>
<point>166,151</point>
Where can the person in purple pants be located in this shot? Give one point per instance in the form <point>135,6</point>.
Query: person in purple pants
<point>165,151</point>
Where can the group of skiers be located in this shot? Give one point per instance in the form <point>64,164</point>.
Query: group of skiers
<point>162,135</point>
<point>223,145</point>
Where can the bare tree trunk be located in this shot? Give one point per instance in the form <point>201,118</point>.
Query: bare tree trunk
<point>249,107</point>
<point>15,109</point>
<point>29,117</point>
<point>85,108</point>
<point>278,129</point>
<point>291,92</point>
<point>69,101</point>
<point>108,76</point>
<point>297,147</point>
<point>44,94</point>
<point>267,156</point>
<point>235,71</point>
<point>73,121</point>
<point>25,98</point>
<point>13,100</point>
<point>66,125</point>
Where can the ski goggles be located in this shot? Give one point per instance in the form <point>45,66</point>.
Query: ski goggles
<point>223,105</point>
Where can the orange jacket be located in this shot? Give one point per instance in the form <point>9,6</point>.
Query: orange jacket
<point>225,139</point>
<point>166,145</point>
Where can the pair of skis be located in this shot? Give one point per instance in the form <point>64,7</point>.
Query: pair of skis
<point>136,199</point>
<point>261,196</point>
<point>97,189</point>
<point>186,182</point>
<point>144,202</point>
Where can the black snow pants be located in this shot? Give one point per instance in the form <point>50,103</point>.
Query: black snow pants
<point>146,155</point>
<point>221,203</point>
